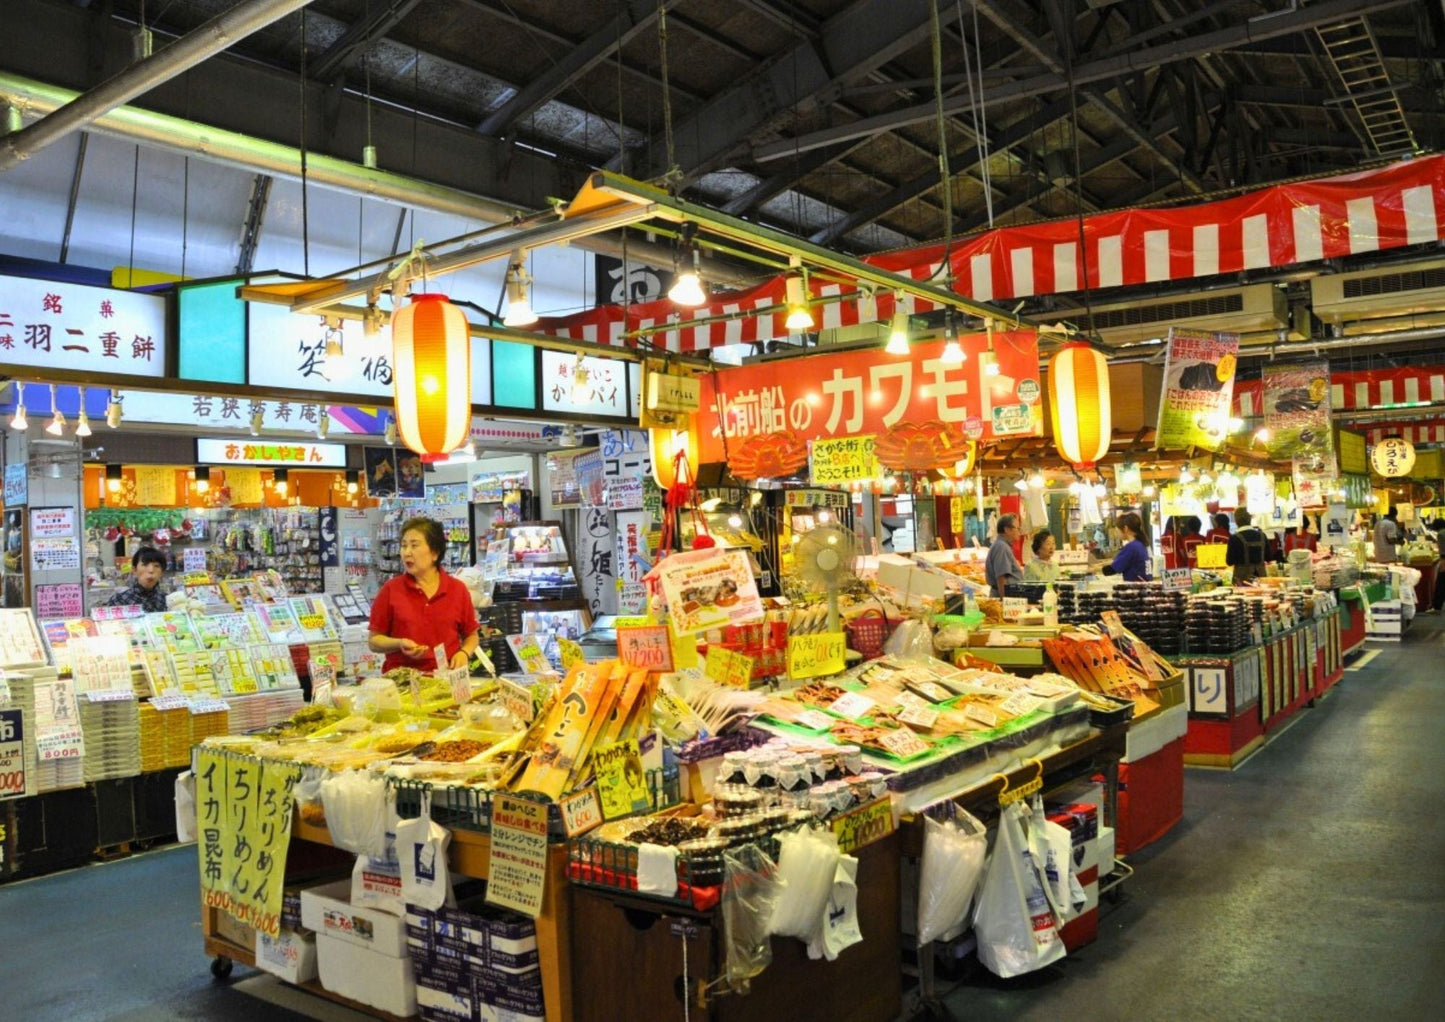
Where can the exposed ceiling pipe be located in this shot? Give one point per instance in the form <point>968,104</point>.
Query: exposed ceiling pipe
<point>1299,348</point>
<point>234,149</point>
<point>218,34</point>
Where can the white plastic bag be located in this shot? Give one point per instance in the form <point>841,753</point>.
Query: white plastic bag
<point>185,806</point>
<point>807,862</point>
<point>421,851</point>
<point>840,920</point>
<point>376,883</point>
<point>953,854</point>
<point>1052,846</point>
<point>1014,924</point>
<point>911,640</point>
<point>358,809</point>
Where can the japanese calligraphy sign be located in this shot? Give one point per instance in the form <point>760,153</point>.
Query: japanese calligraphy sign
<point>1297,410</point>
<point>866,392</point>
<point>517,866</point>
<point>812,656</point>
<point>285,454</point>
<point>842,460</point>
<point>243,821</point>
<point>80,328</point>
<point>633,558</point>
<point>593,386</point>
<point>648,647</point>
<point>1198,387</point>
<point>13,777</point>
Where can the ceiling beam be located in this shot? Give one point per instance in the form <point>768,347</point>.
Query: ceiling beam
<point>631,19</point>
<point>1233,37</point>
<point>337,57</point>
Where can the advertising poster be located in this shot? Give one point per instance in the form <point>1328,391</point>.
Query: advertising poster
<point>709,589</point>
<point>1297,410</point>
<point>842,460</point>
<point>380,471</point>
<point>1198,387</point>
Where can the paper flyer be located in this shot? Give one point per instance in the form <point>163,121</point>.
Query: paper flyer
<point>709,589</point>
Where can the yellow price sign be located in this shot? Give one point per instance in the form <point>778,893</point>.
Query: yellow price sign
<point>684,650</point>
<point>812,656</point>
<point>571,654</point>
<point>1211,555</point>
<point>728,668</point>
<point>864,825</point>
<point>955,516</point>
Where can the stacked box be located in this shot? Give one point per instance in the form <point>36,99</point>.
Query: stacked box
<point>1082,821</point>
<point>474,963</point>
<point>112,737</point>
<point>152,739</point>
<point>1386,622</point>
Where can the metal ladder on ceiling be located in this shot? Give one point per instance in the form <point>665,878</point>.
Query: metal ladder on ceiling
<point>1351,46</point>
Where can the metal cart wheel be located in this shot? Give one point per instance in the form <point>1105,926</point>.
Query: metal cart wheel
<point>221,967</point>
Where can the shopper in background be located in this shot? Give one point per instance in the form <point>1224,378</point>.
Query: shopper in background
<point>1169,542</point>
<point>1002,567</point>
<point>1042,568</point>
<point>1132,560</point>
<point>1190,541</point>
<point>146,569</point>
<point>1220,532</point>
<point>424,607</point>
<point>1438,600</point>
<point>1247,550</point>
<point>1300,539</point>
<point>1387,537</point>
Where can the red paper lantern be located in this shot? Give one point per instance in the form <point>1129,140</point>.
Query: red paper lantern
<point>432,375</point>
<point>1079,406</point>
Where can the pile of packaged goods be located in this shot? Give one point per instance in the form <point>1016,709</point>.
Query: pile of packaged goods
<point>1154,615</point>
<point>474,961</point>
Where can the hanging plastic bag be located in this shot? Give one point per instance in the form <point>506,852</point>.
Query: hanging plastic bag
<point>185,806</point>
<point>840,920</point>
<point>1014,925</point>
<point>358,811</point>
<point>749,894</point>
<point>421,851</point>
<point>953,855</point>
<point>807,861</point>
<point>1051,844</point>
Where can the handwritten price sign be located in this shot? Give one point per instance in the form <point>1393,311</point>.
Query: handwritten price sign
<point>812,656</point>
<point>649,647</point>
<point>728,668</point>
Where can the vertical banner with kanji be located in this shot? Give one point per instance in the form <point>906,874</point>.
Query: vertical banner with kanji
<point>1297,410</point>
<point>1198,387</point>
<point>243,822</point>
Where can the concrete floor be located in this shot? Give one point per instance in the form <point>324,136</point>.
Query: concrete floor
<point>1308,884</point>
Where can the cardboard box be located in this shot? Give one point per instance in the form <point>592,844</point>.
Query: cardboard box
<point>289,955</point>
<point>353,970</point>
<point>328,911</point>
<point>228,927</point>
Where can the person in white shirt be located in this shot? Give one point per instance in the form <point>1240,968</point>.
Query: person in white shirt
<point>1387,537</point>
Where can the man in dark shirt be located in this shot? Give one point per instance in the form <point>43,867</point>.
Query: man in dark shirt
<point>147,567</point>
<point>1247,550</point>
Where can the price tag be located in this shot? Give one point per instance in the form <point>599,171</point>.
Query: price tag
<point>812,656</point>
<point>517,699</point>
<point>728,668</point>
<point>209,706</point>
<point>904,743</point>
<point>1071,555</point>
<point>582,811</point>
<point>461,685</point>
<point>924,716</point>
<point>911,701</point>
<point>1178,580</point>
<point>323,682</point>
<point>62,743</point>
<point>440,653</point>
<point>852,705</point>
<point>815,720</point>
<point>1020,704</point>
<point>530,658</point>
<point>982,714</point>
<point>930,690</point>
<point>109,695</point>
<point>415,690</point>
<point>173,701</point>
<point>571,654</point>
<point>1014,607</point>
<point>1046,690</point>
<point>632,622</point>
<point>648,647</point>
<point>684,650</point>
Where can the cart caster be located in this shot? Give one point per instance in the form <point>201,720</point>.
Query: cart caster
<point>221,967</point>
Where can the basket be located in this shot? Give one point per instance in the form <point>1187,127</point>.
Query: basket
<point>868,632</point>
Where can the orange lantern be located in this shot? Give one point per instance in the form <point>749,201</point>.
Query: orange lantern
<point>1079,403</point>
<point>432,375</point>
<point>666,445</point>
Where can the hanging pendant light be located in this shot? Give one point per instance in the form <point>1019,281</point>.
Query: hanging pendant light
<point>953,353</point>
<point>18,420</point>
<point>1079,407</point>
<point>280,480</point>
<point>519,302</point>
<point>353,481</point>
<point>796,298</point>
<point>203,478</point>
<point>898,330</point>
<point>687,289</point>
<point>57,419</point>
<point>432,375</point>
<point>113,410</point>
<point>114,477</point>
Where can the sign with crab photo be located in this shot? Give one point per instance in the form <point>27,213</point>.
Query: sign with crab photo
<point>1198,387</point>
<point>709,589</point>
<point>1297,410</point>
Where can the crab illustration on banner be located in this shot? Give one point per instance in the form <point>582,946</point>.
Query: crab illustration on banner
<point>769,456</point>
<point>920,446</point>
<point>867,392</point>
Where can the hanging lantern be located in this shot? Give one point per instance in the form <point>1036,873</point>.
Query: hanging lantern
<point>1079,403</point>
<point>432,375</point>
<point>1393,457</point>
<point>667,444</point>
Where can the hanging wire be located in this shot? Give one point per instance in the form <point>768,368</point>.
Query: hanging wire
<point>945,266</point>
<point>134,202</point>
<point>305,211</point>
<point>673,172</point>
<point>975,105</point>
<point>1067,46</point>
<point>185,213</point>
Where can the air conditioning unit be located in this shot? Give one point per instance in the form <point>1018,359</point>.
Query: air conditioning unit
<point>1404,290</point>
<point>1230,310</point>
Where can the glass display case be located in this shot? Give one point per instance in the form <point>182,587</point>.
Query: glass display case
<point>530,562</point>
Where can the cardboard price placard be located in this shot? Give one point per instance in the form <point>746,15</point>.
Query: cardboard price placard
<point>649,648</point>
<point>527,650</point>
<point>904,743</point>
<point>1178,580</point>
<point>852,705</point>
<point>582,811</point>
<point>812,656</point>
<point>461,683</point>
<point>13,780</point>
<point>842,460</point>
<point>571,654</point>
<point>864,825</point>
<point>517,867</point>
<point>1014,607</point>
<point>1211,555</point>
<point>728,668</point>
<point>621,782</point>
<point>517,699</point>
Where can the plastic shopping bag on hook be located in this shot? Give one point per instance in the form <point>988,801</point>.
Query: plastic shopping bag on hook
<point>1015,925</point>
<point>953,855</point>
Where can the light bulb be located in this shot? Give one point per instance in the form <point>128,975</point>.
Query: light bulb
<point>735,521</point>
<point>114,476</point>
<point>352,482</point>
<point>1186,476</point>
<point>898,335</point>
<point>825,516</point>
<point>1235,424</point>
<point>1205,479</point>
<point>279,480</point>
<point>337,364</point>
<point>796,291</point>
<point>990,364</point>
<point>1100,489</point>
<point>57,420</point>
<point>687,289</point>
<point>1021,483</point>
<point>1149,491</point>
<point>18,420</point>
<point>82,424</point>
<point>756,498</point>
<point>1036,481</point>
<point>1076,487</point>
<point>580,391</point>
<point>1262,435</point>
<point>519,303</point>
<point>203,478</point>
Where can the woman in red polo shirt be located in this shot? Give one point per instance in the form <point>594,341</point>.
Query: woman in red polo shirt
<point>424,607</point>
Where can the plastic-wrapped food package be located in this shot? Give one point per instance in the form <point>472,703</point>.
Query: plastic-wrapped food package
<point>749,894</point>
<point>1014,924</point>
<point>911,640</point>
<point>953,856</point>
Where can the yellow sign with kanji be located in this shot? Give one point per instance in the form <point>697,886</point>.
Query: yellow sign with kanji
<point>812,656</point>
<point>842,459</point>
<point>728,668</point>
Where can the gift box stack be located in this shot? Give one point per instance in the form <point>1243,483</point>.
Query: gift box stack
<point>1152,614</point>
<point>152,739</point>
<point>208,717</point>
<point>474,962</point>
<point>112,736</point>
<point>1217,625</point>
<point>262,709</point>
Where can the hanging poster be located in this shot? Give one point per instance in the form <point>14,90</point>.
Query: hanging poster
<point>54,554</point>
<point>59,601</point>
<point>839,460</point>
<point>562,478</point>
<point>632,561</point>
<point>517,866</point>
<point>52,522</point>
<point>1297,410</point>
<point>596,551</point>
<point>245,485</point>
<point>1198,387</point>
<point>410,475</point>
<point>155,486</point>
<point>1313,484</point>
<point>709,589</point>
<point>380,471</point>
<point>1335,526</point>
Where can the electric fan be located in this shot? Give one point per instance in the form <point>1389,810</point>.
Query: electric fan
<point>824,558</point>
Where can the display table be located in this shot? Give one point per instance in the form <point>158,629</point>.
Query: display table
<point>467,856</point>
